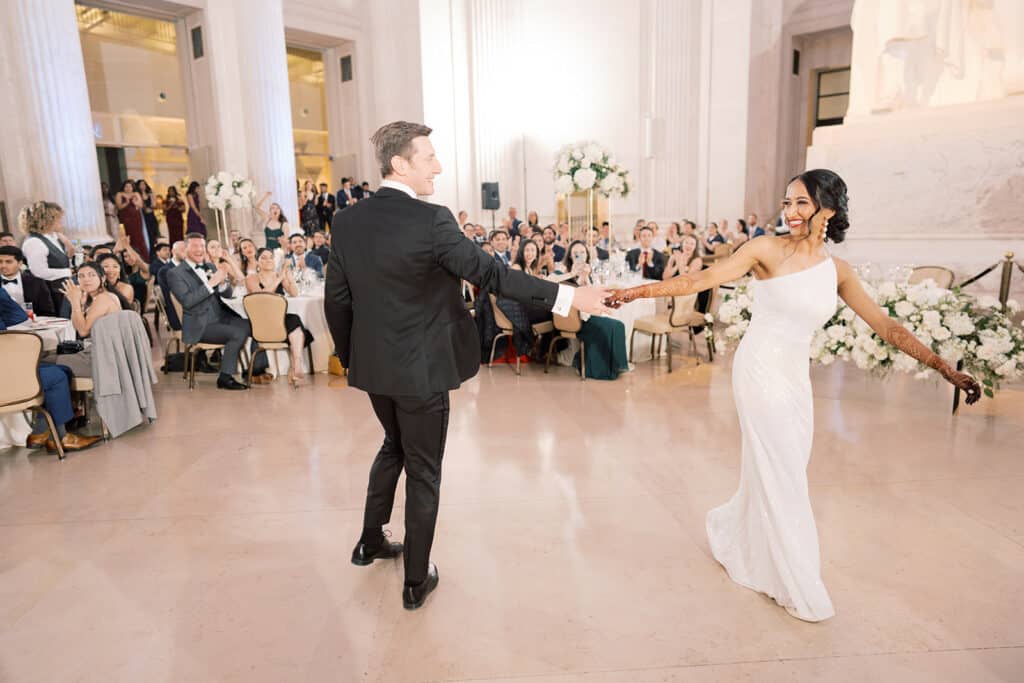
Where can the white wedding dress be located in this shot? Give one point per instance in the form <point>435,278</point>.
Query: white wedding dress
<point>765,536</point>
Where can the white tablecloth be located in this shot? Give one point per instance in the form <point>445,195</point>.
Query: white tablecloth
<point>14,427</point>
<point>310,309</point>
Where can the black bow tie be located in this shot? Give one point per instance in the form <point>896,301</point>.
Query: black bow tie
<point>5,281</point>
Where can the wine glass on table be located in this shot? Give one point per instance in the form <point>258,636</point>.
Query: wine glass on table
<point>29,312</point>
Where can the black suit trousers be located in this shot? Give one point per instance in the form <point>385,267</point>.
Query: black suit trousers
<point>415,430</point>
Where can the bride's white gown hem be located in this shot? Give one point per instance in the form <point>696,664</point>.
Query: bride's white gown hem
<point>765,536</point>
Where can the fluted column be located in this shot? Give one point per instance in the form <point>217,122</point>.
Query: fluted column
<point>250,84</point>
<point>48,149</point>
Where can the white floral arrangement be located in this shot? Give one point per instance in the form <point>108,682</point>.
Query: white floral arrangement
<point>228,191</point>
<point>956,326</point>
<point>589,166</point>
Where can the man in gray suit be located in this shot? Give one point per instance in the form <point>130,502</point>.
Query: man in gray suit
<point>199,287</point>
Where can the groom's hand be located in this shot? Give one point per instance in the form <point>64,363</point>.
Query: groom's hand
<point>591,300</point>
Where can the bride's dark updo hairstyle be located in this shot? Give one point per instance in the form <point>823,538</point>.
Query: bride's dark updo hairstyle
<point>828,191</point>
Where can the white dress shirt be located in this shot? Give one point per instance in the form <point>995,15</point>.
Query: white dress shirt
<point>36,254</point>
<point>16,290</point>
<point>563,302</point>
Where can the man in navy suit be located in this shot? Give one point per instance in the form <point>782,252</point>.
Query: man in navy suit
<point>345,195</point>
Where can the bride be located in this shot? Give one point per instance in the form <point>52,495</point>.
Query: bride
<point>765,536</point>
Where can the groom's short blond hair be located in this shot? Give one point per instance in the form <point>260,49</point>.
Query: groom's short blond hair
<point>395,139</point>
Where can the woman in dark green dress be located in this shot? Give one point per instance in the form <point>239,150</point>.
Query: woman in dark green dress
<point>603,338</point>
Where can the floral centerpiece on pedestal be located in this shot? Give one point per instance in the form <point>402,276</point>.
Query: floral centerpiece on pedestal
<point>956,326</point>
<point>589,166</point>
<point>228,191</point>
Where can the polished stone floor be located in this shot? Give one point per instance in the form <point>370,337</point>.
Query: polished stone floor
<point>214,545</point>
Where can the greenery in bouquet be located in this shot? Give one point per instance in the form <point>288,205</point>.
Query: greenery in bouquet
<point>589,166</point>
<point>956,326</point>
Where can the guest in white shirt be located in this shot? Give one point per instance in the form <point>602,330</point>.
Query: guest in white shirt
<point>22,286</point>
<point>47,251</point>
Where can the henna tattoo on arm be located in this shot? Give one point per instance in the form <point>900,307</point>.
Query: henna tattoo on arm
<point>900,337</point>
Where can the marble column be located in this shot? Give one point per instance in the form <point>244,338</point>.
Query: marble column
<point>47,148</point>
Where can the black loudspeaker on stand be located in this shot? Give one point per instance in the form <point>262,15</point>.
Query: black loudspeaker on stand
<point>490,199</point>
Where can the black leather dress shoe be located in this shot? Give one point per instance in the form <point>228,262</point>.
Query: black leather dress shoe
<point>413,597</point>
<point>230,384</point>
<point>363,555</point>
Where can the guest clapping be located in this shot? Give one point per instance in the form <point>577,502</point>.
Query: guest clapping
<point>685,261</point>
<point>649,261</point>
<point>300,259</point>
<point>269,279</point>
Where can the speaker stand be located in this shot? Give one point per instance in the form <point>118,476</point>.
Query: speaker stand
<point>493,212</point>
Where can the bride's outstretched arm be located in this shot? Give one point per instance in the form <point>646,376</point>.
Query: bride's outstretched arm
<point>726,270</point>
<point>896,334</point>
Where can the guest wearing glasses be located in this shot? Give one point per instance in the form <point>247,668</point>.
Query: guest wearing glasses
<point>23,286</point>
<point>47,251</point>
<point>269,279</point>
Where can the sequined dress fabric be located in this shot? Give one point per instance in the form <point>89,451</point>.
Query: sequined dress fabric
<point>765,536</point>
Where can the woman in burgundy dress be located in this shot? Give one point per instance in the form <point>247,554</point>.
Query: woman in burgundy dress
<point>195,220</point>
<point>174,214</point>
<point>129,212</point>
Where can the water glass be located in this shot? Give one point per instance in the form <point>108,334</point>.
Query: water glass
<point>28,311</point>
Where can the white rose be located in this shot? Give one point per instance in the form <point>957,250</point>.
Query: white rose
<point>732,331</point>
<point>904,308</point>
<point>862,359</point>
<point>593,151</point>
<point>563,165</point>
<point>847,314</point>
<point>836,332</point>
<point>586,163</point>
<point>985,352</point>
<point>577,154</point>
<point>563,184</point>
<point>931,319</point>
<point>584,178</point>
<point>1007,369</point>
<point>886,292</point>
<point>960,324</point>
<point>1012,305</point>
<point>904,363</point>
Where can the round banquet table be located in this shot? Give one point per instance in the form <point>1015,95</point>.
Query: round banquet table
<point>628,314</point>
<point>309,306</point>
<point>15,427</point>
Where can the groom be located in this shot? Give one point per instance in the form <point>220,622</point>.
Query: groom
<point>395,309</point>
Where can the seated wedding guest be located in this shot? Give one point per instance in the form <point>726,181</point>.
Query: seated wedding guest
<point>113,278</point>
<point>217,255</point>
<point>366,193</point>
<point>47,251</point>
<point>756,230</point>
<point>269,279</point>
<point>528,260</point>
<point>320,247</point>
<point>686,260</point>
<point>23,286</point>
<point>605,241</point>
<point>675,236</point>
<point>301,259</point>
<point>712,238</point>
<point>7,239</point>
<point>689,228</point>
<point>247,256</point>
<point>564,235</point>
<point>480,234</point>
<point>500,241</point>
<point>488,248</point>
<point>177,256</point>
<point>161,258</point>
<point>100,250</point>
<point>603,337</point>
<point>274,222</point>
<point>659,241</point>
<point>469,230</point>
<point>551,242</point>
<point>234,237</point>
<point>597,252</point>
<point>741,234</point>
<point>55,382</point>
<point>90,300</point>
<point>645,258</point>
<point>134,271</point>
<point>11,313</point>
<point>514,222</point>
<point>532,220</point>
<point>199,287</point>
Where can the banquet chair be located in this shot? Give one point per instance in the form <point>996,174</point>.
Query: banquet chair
<point>85,385</point>
<point>682,314</point>
<point>175,335</point>
<point>507,330</point>
<point>192,349</point>
<point>21,390</point>
<point>943,277</point>
<point>266,312</point>
<point>568,327</point>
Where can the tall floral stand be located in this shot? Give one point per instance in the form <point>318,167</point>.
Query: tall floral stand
<point>581,210</point>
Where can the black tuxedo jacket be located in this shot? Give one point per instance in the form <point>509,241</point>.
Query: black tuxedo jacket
<point>37,293</point>
<point>653,270</point>
<point>393,297</point>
